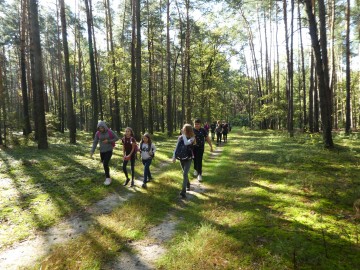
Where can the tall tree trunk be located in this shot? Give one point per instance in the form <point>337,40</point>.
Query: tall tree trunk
<point>24,89</point>
<point>348,96</point>
<point>289,57</point>
<point>168,68</point>
<point>139,110</point>
<point>133,67</point>
<point>116,116</point>
<point>94,97</point>
<point>311,94</point>
<point>37,77</point>
<point>303,72</point>
<point>187,63</point>
<point>333,83</point>
<point>321,68</point>
<point>71,121</point>
<point>183,73</point>
<point>2,100</point>
<point>151,73</point>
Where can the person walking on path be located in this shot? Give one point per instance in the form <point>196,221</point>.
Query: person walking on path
<point>184,153</point>
<point>129,151</point>
<point>201,136</point>
<point>212,129</point>
<point>218,131</point>
<point>147,151</point>
<point>225,131</point>
<point>207,127</point>
<point>107,138</point>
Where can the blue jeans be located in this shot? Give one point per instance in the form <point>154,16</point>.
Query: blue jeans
<point>147,173</point>
<point>185,165</point>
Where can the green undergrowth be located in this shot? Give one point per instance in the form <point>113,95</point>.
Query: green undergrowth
<point>273,202</point>
<point>270,202</point>
<point>40,187</point>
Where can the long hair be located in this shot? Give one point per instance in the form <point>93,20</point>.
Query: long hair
<point>147,135</point>
<point>189,131</point>
<point>131,131</point>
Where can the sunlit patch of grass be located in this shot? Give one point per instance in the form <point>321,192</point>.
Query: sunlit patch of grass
<point>65,175</point>
<point>204,248</point>
<point>287,199</point>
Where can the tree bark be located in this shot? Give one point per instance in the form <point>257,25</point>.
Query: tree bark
<point>321,69</point>
<point>24,88</point>
<point>94,96</point>
<point>37,78</point>
<point>71,122</point>
<point>348,78</point>
<point>168,68</point>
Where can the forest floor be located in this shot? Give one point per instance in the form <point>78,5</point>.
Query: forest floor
<point>267,202</point>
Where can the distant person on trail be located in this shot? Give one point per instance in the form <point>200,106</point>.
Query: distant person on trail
<point>184,153</point>
<point>207,127</point>
<point>107,139</point>
<point>129,151</point>
<point>218,131</point>
<point>201,136</point>
<point>212,129</point>
<point>225,131</point>
<point>147,151</point>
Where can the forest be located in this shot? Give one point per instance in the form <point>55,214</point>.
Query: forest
<point>154,65</point>
<point>282,193</point>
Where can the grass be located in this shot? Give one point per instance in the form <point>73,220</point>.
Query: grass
<point>274,203</point>
<point>45,186</point>
<point>271,202</point>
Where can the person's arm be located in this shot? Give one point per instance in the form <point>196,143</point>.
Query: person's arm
<point>123,147</point>
<point>188,141</point>
<point>95,142</point>
<point>177,143</point>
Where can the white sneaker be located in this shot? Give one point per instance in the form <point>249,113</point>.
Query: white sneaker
<point>107,181</point>
<point>199,178</point>
<point>195,173</point>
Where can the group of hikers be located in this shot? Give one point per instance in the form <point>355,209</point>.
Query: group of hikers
<point>190,147</point>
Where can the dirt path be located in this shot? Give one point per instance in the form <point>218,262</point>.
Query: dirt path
<point>146,252</point>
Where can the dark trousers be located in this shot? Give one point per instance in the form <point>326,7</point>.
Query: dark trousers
<point>198,156</point>
<point>225,137</point>
<point>147,173</point>
<point>132,167</point>
<point>218,138</point>
<point>105,159</point>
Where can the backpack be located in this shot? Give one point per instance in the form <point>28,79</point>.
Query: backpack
<point>111,136</point>
<point>183,152</point>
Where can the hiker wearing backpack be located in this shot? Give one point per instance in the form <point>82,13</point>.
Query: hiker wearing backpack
<point>201,136</point>
<point>183,152</point>
<point>218,131</point>
<point>147,151</point>
<point>107,139</point>
<point>129,151</point>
